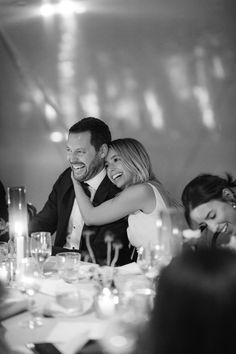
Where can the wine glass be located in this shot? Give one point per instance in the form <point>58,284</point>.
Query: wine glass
<point>150,260</point>
<point>28,282</point>
<point>171,224</point>
<point>137,299</point>
<point>41,247</point>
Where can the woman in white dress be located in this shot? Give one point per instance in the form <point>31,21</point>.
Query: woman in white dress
<point>142,196</point>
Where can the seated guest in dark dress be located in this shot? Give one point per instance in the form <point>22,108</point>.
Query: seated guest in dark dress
<point>195,305</point>
<point>87,147</point>
<point>3,214</point>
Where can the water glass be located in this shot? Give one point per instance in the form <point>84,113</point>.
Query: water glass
<point>40,247</point>
<point>28,282</point>
<point>137,298</point>
<point>104,276</point>
<point>151,259</point>
<point>68,266</point>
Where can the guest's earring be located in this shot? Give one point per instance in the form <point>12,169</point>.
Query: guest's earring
<point>234,205</point>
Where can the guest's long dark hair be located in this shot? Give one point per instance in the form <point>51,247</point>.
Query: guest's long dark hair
<point>195,307</point>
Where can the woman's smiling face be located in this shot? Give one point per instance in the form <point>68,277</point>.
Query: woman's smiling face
<point>217,216</point>
<point>117,171</point>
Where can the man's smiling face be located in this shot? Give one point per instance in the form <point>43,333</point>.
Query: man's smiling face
<point>84,160</point>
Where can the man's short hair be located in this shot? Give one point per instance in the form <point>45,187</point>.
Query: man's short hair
<point>100,132</point>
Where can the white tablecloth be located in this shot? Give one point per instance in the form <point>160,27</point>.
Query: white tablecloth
<point>66,332</point>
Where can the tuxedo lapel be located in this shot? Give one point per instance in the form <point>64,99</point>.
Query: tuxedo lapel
<point>65,211</point>
<point>68,196</point>
<point>67,202</point>
<point>105,191</point>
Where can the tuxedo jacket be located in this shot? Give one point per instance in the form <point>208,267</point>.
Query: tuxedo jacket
<point>54,217</point>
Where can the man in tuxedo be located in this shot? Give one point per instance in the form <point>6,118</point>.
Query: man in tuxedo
<point>87,147</point>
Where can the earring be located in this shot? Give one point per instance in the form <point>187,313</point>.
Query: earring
<point>234,205</point>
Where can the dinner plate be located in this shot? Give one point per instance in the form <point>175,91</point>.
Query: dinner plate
<point>53,309</point>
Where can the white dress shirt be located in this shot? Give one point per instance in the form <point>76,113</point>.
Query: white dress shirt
<point>76,222</point>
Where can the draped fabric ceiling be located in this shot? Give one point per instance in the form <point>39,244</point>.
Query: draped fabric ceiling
<point>161,71</point>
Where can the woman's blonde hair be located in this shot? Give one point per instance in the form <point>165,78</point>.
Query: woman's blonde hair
<point>135,158</point>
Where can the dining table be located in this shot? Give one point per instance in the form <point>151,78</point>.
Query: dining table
<point>82,331</point>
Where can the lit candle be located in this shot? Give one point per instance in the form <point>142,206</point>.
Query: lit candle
<point>20,250</point>
<point>19,242</point>
<point>18,223</point>
<point>106,303</point>
<point>18,228</point>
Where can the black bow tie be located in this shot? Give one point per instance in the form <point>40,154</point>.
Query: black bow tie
<point>86,189</point>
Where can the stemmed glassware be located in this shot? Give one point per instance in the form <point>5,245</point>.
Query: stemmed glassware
<point>149,261</point>
<point>40,247</point>
<point>170,225</point>
<point>28,282</point>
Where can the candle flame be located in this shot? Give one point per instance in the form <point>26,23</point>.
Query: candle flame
<point>18,228</point>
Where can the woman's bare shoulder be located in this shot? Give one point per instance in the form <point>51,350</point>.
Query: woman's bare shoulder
<point>143,190</point>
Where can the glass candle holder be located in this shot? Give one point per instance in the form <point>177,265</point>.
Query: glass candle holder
<point>18,223</point>
<point>106,303</point>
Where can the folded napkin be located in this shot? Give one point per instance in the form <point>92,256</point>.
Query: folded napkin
<point>49,286</point>
<point>70,339</point>
<point>130,268</point>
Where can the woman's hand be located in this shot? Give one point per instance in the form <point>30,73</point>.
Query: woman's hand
<point>231,244</point>
<point>191,234</point>
<point>75,182</point>
<point>191,237</point>
<point>72,176</point>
